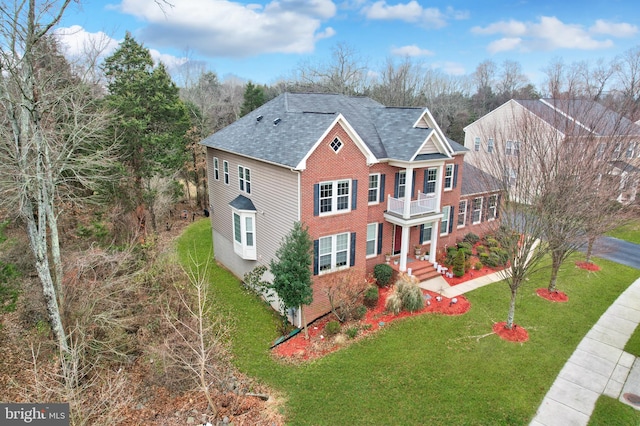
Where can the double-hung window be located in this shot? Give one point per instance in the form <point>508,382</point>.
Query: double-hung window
<point>444,222</point>
<point>630,150</point>
<point>244,179</point>
<point>448,177</point>
<point>476,214</point>
<point>333,252</point>
<point>225,169</point>
<point>462,213</point>
<point>216,168</point>
<point>374,188</point>
<point>492,207</point>
<point>426,233</point>
<point>372,239</point>
<point>244,240</point>
<point>476,144</point>
<point>508,149</point>
<point>335,196</point>
<point>432,177</point>
<point>490,145</point>
<point>402,183</point>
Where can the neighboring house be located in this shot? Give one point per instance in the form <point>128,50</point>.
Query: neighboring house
<point>612,138</point>
<point>364,178</point>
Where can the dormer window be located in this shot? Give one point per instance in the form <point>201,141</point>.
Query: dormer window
<point>336,144</point>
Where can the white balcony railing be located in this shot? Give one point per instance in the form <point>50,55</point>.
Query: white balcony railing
<point>426,203</point>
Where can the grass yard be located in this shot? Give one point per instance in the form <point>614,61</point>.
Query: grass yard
<point>628,232</point>
<point>434,369</point>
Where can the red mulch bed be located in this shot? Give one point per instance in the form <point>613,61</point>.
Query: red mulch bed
<point>298,348</point>
<point>589,266</point>
<point>516,334</point>
<point>474,273</point>
<point>554,296</point>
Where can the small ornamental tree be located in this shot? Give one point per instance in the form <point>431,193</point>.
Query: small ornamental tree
<point>292,270</point>
<point>458,263</point>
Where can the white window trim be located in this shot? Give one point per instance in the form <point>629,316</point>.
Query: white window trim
<point>216,168</point>
<point>434,181</point>
<point>476,144</point>
<point>244,184</point>
<point>377,188</point>
<point>508,149</point>
<point>374,239</point>
<point>425,227</point>
<point>341,144</point>
<point>463,214</point>
<point>334,197</point>
<point>403,185</point>
<point>490,145</point>
<point>242,248</point>
<point>448,169</point>
<point>473,211</point>
<point>443,220</point>
<point>333,253</point>
<point>493,209</point>
<point>225,171</point>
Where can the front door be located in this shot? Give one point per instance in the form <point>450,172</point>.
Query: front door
<point>397,239</point>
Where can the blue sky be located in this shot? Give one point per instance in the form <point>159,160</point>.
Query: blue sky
<point>263,41</point>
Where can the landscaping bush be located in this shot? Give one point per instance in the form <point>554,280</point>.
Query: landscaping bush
<point>351,332</point>
<point>458,264</point>
<point>359,312</point>
<point>410,295</point>
<point>466,247</point>
<point>332,328</point>
<point>471,238</point>
<point>382,273</point>
<point>452,252</point>
<point>481,249</point>
<point>371,297</point>
<point>492,242</point>
<point>393,303</point>
<point>478,266</point>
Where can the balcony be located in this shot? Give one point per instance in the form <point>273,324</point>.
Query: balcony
<point>425,204</point>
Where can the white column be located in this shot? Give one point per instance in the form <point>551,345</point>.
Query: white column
<point>408,191</point>
<point>404,248</point>
<point>433,247</point>
<point>439,178</point>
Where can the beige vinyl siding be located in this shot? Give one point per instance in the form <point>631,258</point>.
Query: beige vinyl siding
<point>274,193</point>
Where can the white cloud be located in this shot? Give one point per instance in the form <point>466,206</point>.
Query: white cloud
<point>451,68</point>
<point>77,42</point>
<point>411,50</point>
<point>549,33</point>
<point>412,12</point>
<point>613,29</point>
<point>231,29</point>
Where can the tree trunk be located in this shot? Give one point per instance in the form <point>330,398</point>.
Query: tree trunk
<point>555,267</point>
<point>590,243</point>
<point>512,308</point>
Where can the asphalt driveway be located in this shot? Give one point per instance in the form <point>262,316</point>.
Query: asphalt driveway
<point>618,251</point>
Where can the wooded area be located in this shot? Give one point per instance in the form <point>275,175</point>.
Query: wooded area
<point>100,161</point>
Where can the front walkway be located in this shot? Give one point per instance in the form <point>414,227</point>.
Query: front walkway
<point>440,285</point>
<point>598,366</point>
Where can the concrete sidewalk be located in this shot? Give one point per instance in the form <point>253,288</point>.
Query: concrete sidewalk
<point>599,366</point>
<point>440,285</point>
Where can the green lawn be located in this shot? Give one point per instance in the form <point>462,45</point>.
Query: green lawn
<point>431,369</point>
<point>628,232</point>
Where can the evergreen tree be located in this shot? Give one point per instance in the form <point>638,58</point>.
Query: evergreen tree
<point>253,98</point>
<point>150,119</point>
<point>292,269</point>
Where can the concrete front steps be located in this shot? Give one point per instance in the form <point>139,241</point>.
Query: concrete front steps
<point>424,271</point>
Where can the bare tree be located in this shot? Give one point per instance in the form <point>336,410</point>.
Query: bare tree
<point>398,84</point>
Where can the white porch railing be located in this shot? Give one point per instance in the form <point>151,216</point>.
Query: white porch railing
<point>426,203</point>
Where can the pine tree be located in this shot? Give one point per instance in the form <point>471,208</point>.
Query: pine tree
<point>292,270</point>
<point>253,98</point>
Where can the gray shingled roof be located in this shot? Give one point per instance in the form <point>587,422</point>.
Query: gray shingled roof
<point>590,114</point>
<point>303,119</point>
<point>242,203</point>
<point>476,181</point>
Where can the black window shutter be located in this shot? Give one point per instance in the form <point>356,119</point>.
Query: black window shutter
<point>353,249</point>
<point>316,199</point>
<point>424,183</point>
<point>316,254</point>
<point>354,194</point>
<point>497,206</point>
<point>380,225</point>
<point>451,209</point>
<point>382,179</point>
<point>421,233</point>
<point>395,186</point>
<point>470,211</point>
<point>485,208</point>
<point>455,175</point>
<point>414,184</point>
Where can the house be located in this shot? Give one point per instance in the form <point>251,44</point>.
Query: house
<point>585,129</point>
<point>364,178</point>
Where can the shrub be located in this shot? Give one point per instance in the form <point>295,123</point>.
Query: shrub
<point>345,292</point>
<point>371,297</point>
<point>471,238</point>
<point>359,312</point>
<point>492,242</point>
<point>452,252</point>
<point>481,249</point>
<point>332,328</point>
<point>351,332</point>
<point>491,260</point>
<point>458,264</point>
<point>410,295</point>
<point>393,303</point>
<point>478,266</point>
<point>466,248</point>
<point>382,273</point>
